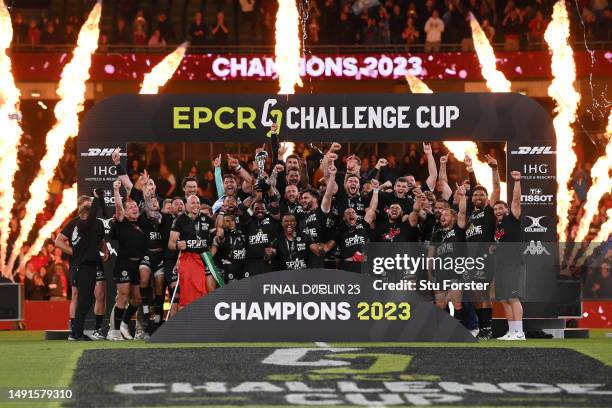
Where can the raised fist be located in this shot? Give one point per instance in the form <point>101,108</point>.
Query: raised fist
<point>516,175</point>
<point>382,162</point>
<point>217,161</point>
<point>491,161</point>
<point>444,159</point>
<point>279,168</point>
<point>116,156</point>
<point>232,162</point>
<point>335,147</point>
<point>116,185</point>
<point>332,170</point>
<point>427,148</point>
<point>467,160</point>
<point>274,128</point>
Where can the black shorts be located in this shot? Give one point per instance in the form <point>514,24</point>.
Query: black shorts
<point>170,271</point>
<point>126,271</point>
<point>510,282</point>
<point>154,261</point>
<point>234,271</point>
<point>254,267</point>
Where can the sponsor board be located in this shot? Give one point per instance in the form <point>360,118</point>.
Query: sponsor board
<point>537,196</point>
<point>533,150</point>
<point>535,248</point>
<point>539,171</point>
<point>535,224</point>
<point>330,376</point>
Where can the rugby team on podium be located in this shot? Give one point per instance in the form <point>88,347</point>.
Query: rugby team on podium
<point>264,222</point>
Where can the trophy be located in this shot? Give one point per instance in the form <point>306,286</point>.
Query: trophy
<point>260,159</point>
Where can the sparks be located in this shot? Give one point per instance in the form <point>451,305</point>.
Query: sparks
<point>10,131</point>
<point>63,211</point>
<point>71,91</point>
<point>496,81</point>
<point>288,48</point>
<point>163,71</point>
<point>563,91</point>
<point>460,149</point>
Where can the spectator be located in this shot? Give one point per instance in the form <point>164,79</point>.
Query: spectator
<point>70,34</point>
<point>198,30</point>
<point>36,288</point>
<point>165,27</point>
<point>122,35</point>
<point>396,25</point>
<point>140,23</point>
<point>513,19</point>
<point>434,27</point>
<point>488,29</point>
<point>166,186</point>
<point>411,33</point>
<point>248,17</point>
<point>139,36</point>
<point>537,26</point>
<point>345,33</point>
<point>20,29</point>
<point>370,32</point>
<point>54,280</point>
<point>384,33</point>
<point>33,33</point>
<point>313,31</point>
<point>156,39</point>
<point>220,32</point>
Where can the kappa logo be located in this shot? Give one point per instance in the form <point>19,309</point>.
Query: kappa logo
<point>533,150</point>
<point>536,248</point>
<point>100,152</point>
<point>535,224</point>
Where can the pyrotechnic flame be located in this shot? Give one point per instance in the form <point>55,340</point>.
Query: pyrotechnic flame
<point>460,149</point>
<point>163,71</point>
<point>602,184</point>
<point>63,211</point>
<point>288,53</point>
<point>10,131</point>
<point>562,90</point>
<point>602,236</point>
<point>288,48</point>
<point>71,91</point>
<point>496,81</point>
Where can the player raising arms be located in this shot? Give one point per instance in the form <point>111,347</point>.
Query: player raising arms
<point>509,266</point>
<point>479,235</point>
<point>191,235</point>
<point>131,248</point>
<point>448,241</point>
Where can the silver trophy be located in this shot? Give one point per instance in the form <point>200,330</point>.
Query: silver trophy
<point>260,159</point>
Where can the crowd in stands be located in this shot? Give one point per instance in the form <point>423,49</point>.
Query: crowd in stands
<point>517,24</point>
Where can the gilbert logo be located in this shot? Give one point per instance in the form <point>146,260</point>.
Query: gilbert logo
<point>535,224</point>
<point>533,150</point>
<point>100,152</point>
<point>536,249</point>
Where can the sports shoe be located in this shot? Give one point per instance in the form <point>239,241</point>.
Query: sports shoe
<point>114,335</point>
<point>485,334</point>
<point>97,335</point>
<point>125,331</point>
<point>518,336</point>
<point>84,337</point>
<point>507,336</point>
<point>141,335</point>
<point>71,337</point>
<point>474,332</point>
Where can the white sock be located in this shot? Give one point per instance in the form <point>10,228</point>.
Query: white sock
<point>510,326</point>
<point>518,326</point>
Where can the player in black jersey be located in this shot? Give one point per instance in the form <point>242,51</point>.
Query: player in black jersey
<point>509,266</point>
<point>311,222</point>
<point>131,247</point>
<point>83,239</point>
<point>191,234</point>
<point>292,248</point>
<point>449,242</point>
<point>152,261</point>
<point>143,183</point>
<point>259,229</point>
<point>396,226</point>
<point>170,258</point>
<point>230,243</point>
<point>290,203</point>
<point>353,233</point>
<point>479,235</point>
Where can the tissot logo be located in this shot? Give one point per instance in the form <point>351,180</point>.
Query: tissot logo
<point>536,225</point>
<point>536,197</point>
<point>533,150</point>
<point>536,248</point>
<point>100,152</point>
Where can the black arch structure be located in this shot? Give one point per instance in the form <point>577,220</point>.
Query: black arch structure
<point>514,119</point>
